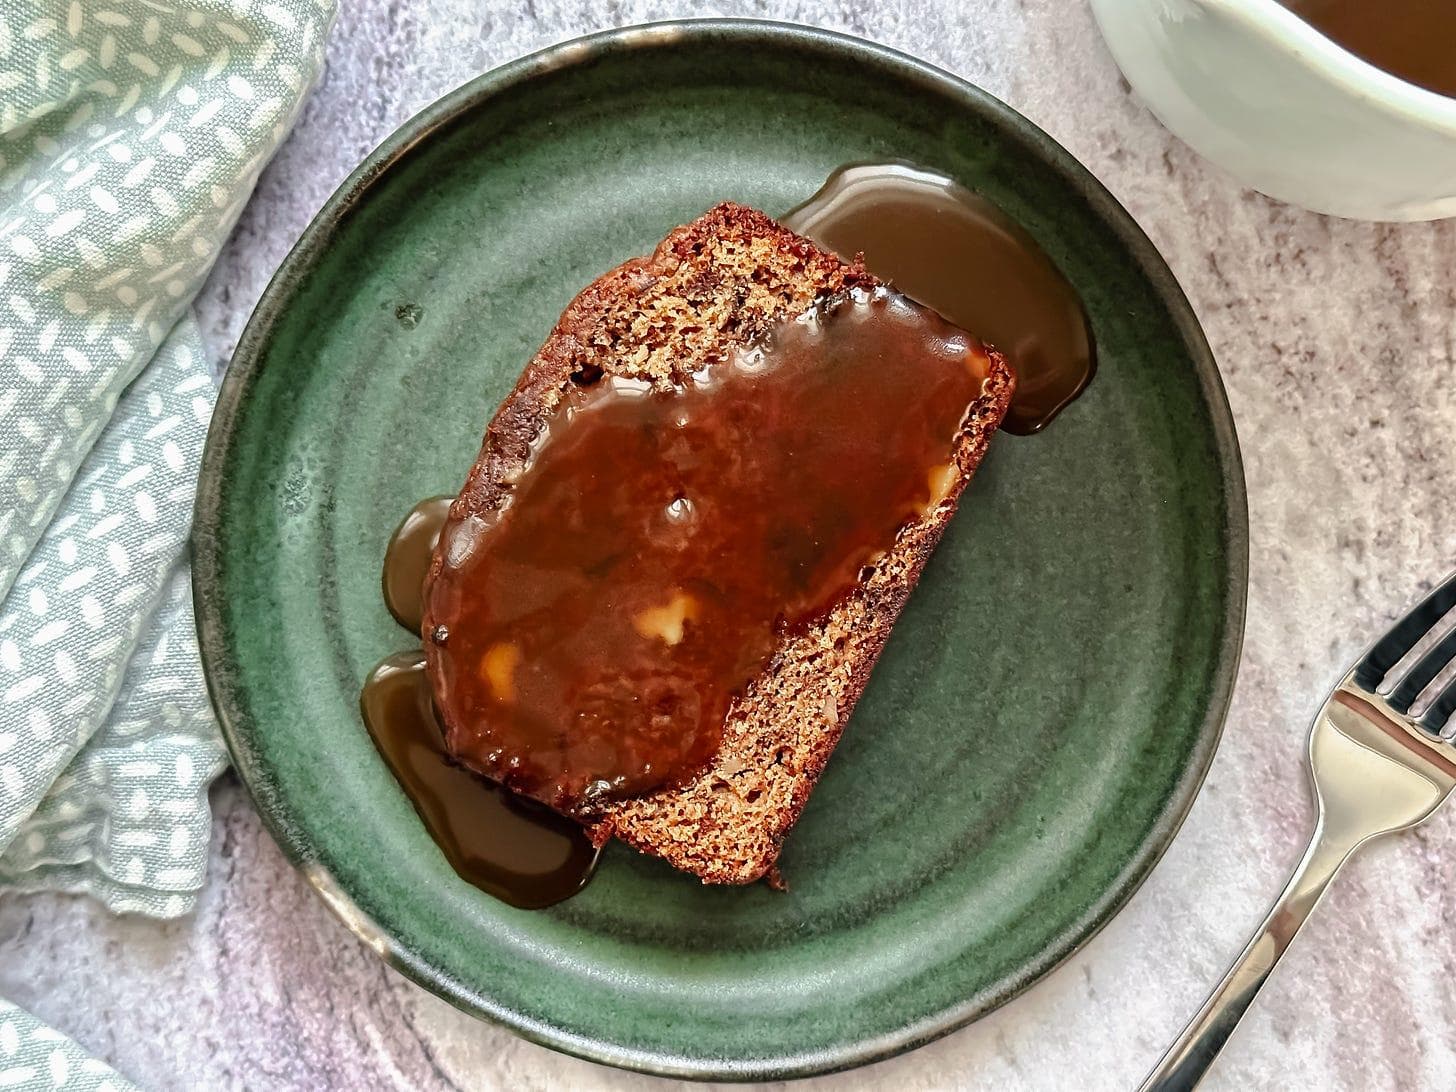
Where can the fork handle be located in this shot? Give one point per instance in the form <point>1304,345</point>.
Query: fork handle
<point>1188,1060</point>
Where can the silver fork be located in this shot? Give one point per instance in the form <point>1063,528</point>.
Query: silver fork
<point>1377,770</point>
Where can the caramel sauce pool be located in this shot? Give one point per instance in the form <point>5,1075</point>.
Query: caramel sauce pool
<point>515,849</point>
<point>1414,40</point>
<point>960,255</point>
<point>589,637</point>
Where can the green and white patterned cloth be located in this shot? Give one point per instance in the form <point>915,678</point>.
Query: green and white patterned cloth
<point>131,134</point>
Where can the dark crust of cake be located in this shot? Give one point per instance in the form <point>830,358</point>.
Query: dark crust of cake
<point>710,286</point>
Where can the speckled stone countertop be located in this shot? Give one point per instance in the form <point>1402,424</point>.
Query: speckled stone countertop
<point>1336,341</point>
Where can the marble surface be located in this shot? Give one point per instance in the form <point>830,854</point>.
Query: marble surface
<point>1336,343</point>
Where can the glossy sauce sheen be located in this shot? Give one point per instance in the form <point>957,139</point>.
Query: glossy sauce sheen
<point>407,560</point>
<point>1414,40</point>
<point>590,637</point>
<point>959,254</point>
<point>515,849</point>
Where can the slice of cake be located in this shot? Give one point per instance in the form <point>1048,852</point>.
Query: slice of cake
<point>689,532</point>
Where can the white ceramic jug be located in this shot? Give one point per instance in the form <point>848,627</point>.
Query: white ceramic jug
<point>1253,87</point>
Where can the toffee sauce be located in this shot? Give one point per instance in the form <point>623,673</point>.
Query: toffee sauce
<point>588,638</point>
<point>1413,40</point>
<point>513,848</point>
<point>960,255</point>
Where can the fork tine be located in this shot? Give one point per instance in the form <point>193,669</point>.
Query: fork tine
<point>1387,651</point>
<point>1440,710</point>
<point>1422,672</point>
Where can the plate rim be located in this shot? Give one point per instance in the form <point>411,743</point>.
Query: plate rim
<point>237,382</point>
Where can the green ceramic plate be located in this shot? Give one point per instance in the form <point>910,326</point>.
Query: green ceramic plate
<point>1049,702</point>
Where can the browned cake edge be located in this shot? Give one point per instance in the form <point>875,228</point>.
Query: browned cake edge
<point>576,342</point>
<point>729,822</point>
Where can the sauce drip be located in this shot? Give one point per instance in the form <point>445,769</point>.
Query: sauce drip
<point>957,253</point>
<point>407,560</point>
<point>1414,40</point>
<point>513,848</point>
<point>588,638</point>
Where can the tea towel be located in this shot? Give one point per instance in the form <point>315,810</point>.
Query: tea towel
<point>131,134</point>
